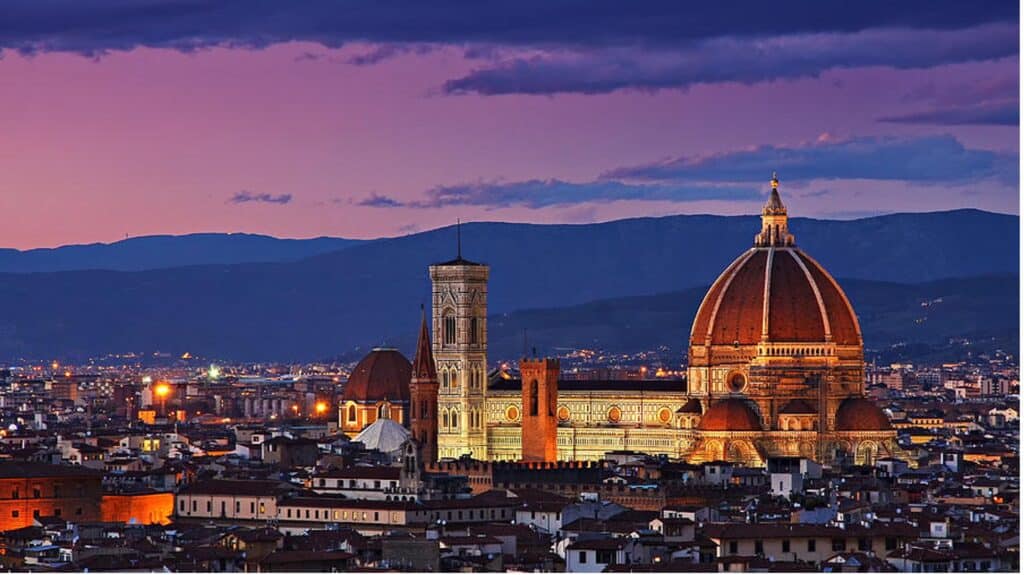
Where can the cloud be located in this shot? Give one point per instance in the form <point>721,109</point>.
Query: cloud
<point>245,197</point>
<point>93,27</point>
<point>733,59</point>
<point>993,102</point>
<point>544,193</point>
<point>382,52</point>
<point>376,200</point>
<point>930,159</point>
<point>989,113</point>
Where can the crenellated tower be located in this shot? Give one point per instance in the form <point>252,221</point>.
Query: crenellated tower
<point>459,311</point>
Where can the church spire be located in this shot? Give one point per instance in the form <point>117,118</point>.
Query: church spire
<point>774,221</point>
<point>423,364</point>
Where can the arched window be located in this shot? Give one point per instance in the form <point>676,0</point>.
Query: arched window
<point>455,420</point>
<point>454,379</point>
<point>534,398</point>
<point>382,411</point>
<point>444,419</point>
<point>449,329</point>
<point>474,330</point>
<point>352,412</point>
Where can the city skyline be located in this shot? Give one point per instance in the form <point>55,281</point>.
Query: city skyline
<point>166,120</point>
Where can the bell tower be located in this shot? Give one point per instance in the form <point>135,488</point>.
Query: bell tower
<point>459,311</point>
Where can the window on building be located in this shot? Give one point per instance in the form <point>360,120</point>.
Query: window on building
<point>864,544</point>
<point>583,557</point>
<point>14,494</point>
<point>474,330</point>
<point>734,547</point>
<point>37,493</point>
<point>263,507</point>
<point>35,513</point>
<point>890,543</point>
<point>352,412</point>
<point>78,511</point>
<point>785,545</point>
<point>534,398</point>
<point>449,330</point>
<point>181,505</point>
<point>838,544</point>
<point>15,513</point>
<point>758,547</point>
<point>812,545</point>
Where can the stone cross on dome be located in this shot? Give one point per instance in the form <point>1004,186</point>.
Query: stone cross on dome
<point>774,221</point>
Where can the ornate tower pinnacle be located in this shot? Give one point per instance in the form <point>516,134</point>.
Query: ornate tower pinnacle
<point>774,221</point>
<point>423,396</point>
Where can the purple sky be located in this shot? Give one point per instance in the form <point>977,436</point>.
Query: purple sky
<point>381,133</point>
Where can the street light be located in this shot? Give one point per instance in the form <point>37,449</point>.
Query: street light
<point>162,390</point>
<point>321,407</point>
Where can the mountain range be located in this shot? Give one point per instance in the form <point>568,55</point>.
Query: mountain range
<point>164,251</point>
<point>338,302</point>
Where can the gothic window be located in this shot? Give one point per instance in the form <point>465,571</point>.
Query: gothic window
<point>449,329</point>
<point>455,420</point>
<point>474,330</point>
<point>444,419</point>
<point>534,398</point>
<point>352,412</point>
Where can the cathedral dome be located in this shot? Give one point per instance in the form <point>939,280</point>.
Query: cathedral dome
<point>859,414</point>
<point>383,374</point>
<point>775,293</point>
<point>731,414</point>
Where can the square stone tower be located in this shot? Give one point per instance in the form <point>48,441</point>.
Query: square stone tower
<point>459,311</point>
<point>539,427</point>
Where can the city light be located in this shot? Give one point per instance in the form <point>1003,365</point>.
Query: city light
<point>162,390</point>
<point>321,407</point>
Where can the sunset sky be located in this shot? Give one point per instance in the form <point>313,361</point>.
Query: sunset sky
<point>374,118</point>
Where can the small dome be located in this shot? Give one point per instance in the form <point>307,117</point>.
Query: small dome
<point>859,414</point>
<point>384,435</point>
<point>384,374</point>
<point>731,414</point>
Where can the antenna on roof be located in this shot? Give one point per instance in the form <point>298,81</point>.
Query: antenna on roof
<point>458,236</point>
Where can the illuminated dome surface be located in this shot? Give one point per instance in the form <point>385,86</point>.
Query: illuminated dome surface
<point>383,374</point>
<point>731,414</point>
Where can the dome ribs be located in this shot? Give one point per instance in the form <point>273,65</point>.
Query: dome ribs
<point>791,316</point>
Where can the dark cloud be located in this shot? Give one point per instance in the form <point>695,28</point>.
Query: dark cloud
<point>544,193</point>
<point>376,200</point>
<point>988,113</point>
<point>931,159</point>
<point>732,59</point>
<point>384,52</point>
<point>94,27</point>
<point>245,197</point>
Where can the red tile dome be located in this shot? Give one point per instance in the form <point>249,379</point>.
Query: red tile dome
<point>859,414</point>
<point>804,303</point>
<point>384,374</point>
<point>732,414</point>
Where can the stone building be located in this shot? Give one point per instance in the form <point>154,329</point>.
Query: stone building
<point>776,368</point>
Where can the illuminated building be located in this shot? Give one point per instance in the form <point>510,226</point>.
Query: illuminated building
<point>776,368</point>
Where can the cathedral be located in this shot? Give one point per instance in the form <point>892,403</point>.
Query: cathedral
<point>776,368</point>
